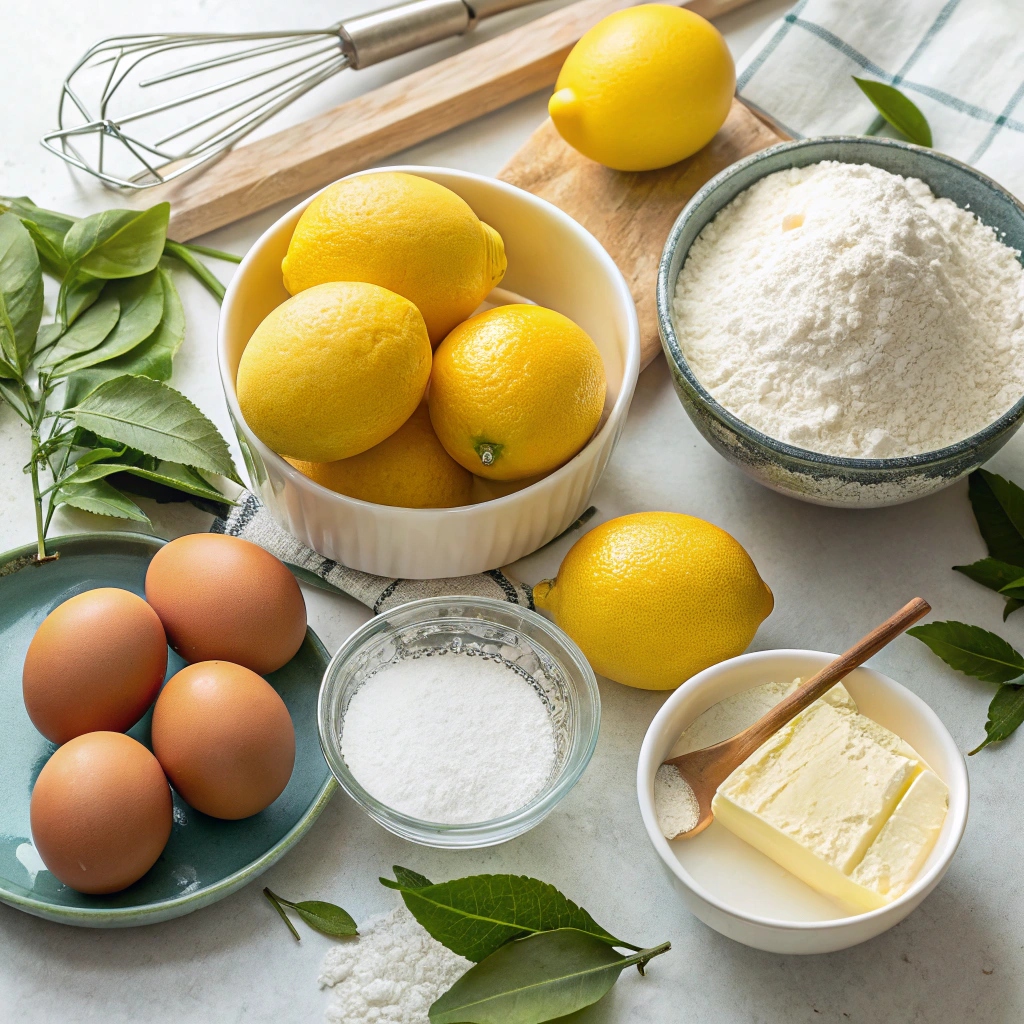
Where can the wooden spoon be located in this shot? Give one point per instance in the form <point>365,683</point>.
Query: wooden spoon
<point>705,770</point>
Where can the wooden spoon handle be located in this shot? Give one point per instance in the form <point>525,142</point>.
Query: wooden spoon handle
<point>789,707</point>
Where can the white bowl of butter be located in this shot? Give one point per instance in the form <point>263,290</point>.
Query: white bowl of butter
<point>748,895</point>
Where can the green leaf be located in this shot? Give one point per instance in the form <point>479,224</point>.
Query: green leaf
<point>141,302</point>
<point>991,572</point>
<point>151,358</point>
<point>998,507</point>
<point>77,294</point>
<point>118,243</point>
<point>47,229</point>
<point>409,879</point>
<point>83,474</point>
<point>157,420</point>
<point>1005,714</point>
<point>1015,588</point>
<point>21,282</point>
<point>14,396</point>
<point>1010,607</point>
<point>900,111</point>
<point>474,916</point>
<point>99,497</point>
<point>971,650</point>
<point>536,979</point>
<point>178,477</point>
<point>324,917</point>
<point>87,331</point>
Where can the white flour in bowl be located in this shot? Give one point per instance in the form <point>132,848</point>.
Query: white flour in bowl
<point>847,310</point>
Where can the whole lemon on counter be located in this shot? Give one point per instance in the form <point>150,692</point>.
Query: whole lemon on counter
<point>516,391</point>
<point>644,88</point>
<point>409,469</point>
<point>404,233</point>
<point>655,597</point>
<point>333,371</point>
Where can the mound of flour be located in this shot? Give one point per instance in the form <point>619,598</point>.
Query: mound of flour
<point>390,974</point>
<point>847,310</point>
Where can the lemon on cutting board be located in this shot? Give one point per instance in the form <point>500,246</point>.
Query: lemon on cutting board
<point>402,232</point>
<point>644,88</point>
<point>409,469</point>
<point>655,597</point>
<point>516,391</point>
<point>333,371</point>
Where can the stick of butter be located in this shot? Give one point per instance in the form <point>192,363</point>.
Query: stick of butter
<point>839,801</point>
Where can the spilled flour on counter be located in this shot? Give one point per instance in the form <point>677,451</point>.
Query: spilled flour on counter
<point>847,310</point>
<point>390,974</point>
<point>674,801</point>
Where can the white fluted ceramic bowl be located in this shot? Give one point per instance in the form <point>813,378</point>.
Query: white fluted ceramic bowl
<point>553,261</point>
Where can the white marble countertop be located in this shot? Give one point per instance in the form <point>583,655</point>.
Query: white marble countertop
<point>834,573</point>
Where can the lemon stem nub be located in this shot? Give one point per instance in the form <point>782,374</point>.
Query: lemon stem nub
<point>488,452</point>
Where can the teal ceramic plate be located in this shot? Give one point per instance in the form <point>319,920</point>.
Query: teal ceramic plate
<point>205,858</point>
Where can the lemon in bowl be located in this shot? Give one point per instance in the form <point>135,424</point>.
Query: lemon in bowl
<point>333,371</point>
<point>516,391</point>
<point>409,469</point>
<point>644,88</point>
<point>405,233</point>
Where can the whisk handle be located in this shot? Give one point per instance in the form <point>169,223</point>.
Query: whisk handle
<point>370,38</point>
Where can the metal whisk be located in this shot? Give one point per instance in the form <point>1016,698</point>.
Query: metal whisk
<point>123,117</point>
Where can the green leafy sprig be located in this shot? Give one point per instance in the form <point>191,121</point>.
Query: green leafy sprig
<point>322,916</point>
<point>986,656</point>
<point>537,955</point>
<point>897,109</point>
<point>90,385</point>
<point>998,506</point>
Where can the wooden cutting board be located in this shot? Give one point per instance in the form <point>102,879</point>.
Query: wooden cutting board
<point>631,213</point>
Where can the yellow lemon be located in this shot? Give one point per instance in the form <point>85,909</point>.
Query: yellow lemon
<point>333,371</point>
<point>655,597</point>
<point>409,469</point>
<point>644,88</point>
<point>488,490</point>
<point>516,391</point>
<point>404,233</point>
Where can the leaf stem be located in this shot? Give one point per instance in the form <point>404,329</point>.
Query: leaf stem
<point>205,250</point>
<point>37,409</point>
<point>644,956</point>
<point>198,270</point>
<point>275,902</point>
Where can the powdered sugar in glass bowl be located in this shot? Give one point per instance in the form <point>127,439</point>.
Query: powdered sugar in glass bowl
<point>494,631</point>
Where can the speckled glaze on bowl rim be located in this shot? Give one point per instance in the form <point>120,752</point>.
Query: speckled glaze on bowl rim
<point>155,911</point>
<point>766,458</point>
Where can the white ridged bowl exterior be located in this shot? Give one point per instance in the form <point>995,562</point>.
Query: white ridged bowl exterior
<point>553,261</point>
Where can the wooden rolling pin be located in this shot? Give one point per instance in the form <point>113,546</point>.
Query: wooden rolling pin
<point>366,129</point>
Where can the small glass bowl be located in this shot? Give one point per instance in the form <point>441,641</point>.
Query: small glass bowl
<point>468,627</point>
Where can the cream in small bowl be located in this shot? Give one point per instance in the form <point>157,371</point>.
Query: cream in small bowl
<point>736,889</point>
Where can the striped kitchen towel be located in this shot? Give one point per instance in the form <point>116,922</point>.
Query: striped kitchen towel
<point>251,521</point>
<point>960,61</point>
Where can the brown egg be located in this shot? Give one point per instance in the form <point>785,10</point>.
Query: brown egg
<point>96,662</point>
<point>101,812</point>
<point>223,599</point>
<point>225,739</point>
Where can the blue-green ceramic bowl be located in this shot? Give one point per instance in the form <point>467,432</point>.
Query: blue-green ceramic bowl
<point>205,859</point>
<point>812,476</point>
